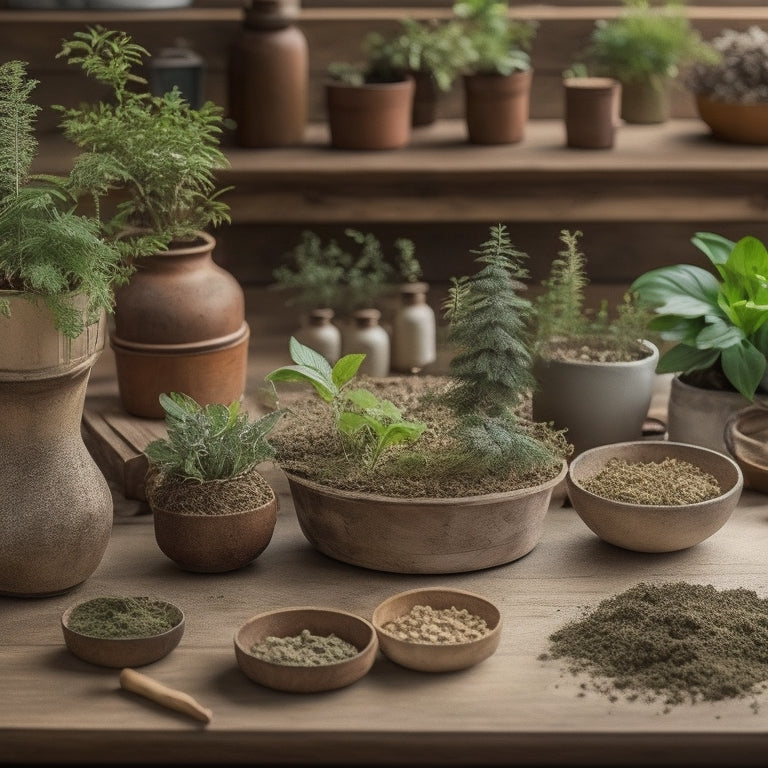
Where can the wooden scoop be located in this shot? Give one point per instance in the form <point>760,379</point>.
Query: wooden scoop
<point>131,680</point>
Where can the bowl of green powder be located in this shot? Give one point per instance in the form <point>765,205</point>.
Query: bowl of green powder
<point>306,649</point>
<point>117,631</point>
<point>654,496</point>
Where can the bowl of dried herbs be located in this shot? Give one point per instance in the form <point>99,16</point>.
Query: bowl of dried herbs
<point>654,495</point>
<point>306,649</point>
<point>117,631</point>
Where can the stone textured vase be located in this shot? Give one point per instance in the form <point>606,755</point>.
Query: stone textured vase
<point>55,504</point>
<point>452,535</point>
<point>496,107</point>
<point>180,327</point>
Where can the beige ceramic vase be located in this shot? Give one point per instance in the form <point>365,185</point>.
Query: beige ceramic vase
<point>55,504</point>
<point>180,327</point>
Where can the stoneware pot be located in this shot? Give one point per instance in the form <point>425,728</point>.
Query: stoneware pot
<point>373,116</point>
<point>180,327</point>
<point>699,416</point>
<point>645,103</point>
<point>746,438</point>
<point>591,111</point>
<point>597,403</point>
<point>55,504</point>
<point>738,123</point>
<point>212,543</point>
<point>422,535</point>
<point>496,107</point>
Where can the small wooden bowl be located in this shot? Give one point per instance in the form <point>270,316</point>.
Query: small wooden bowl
<point>289,622</point>
<point>746,438</point>
<point>437,657</point>
<point>649,527</point>
<point>121,652</point>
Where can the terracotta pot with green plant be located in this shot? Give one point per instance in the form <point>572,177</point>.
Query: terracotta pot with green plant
<point>645,47</point>
<point>498,79</point>
<point>595,372</point>
<point>213,510</point>
<point>149,162</point>
<point>732,92</point>
<point>57,276</point>
<point>433,52</point>
<point>427,474</point>
<point>717,325</point>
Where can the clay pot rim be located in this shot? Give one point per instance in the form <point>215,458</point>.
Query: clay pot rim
<point>222,342</point>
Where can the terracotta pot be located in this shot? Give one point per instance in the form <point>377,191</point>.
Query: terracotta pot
<point>497,106</point>
<point>739,123</point>
<point>645,102</point>
<point>592,108</point>
<point>422,535</point>
<point>370,117</point>
<point>212,543</point>
<point>55,505</point>
<point>180,327</point>
<point>598,403</point>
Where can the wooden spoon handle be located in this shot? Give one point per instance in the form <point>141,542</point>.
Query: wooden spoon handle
<point>136,682</point>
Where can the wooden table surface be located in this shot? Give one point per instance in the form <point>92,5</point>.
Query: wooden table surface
<point>512,709</point>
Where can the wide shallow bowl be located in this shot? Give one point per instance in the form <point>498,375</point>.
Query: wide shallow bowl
<point>735,122</point>
<point>123,651</point>
<point>437,656</point>
<point>746,437</point>
<point>289,622</point>
<point>647,527</point>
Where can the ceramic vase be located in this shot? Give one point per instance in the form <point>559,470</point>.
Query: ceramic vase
<point>374,116</point>
<point>496,107</point>
<point>268,76</point>
<point>365,335</point>
<point>645,103</point>
<point>591,114</point>
<point>319,333</point>
<point>180,327</point>
<point>55,504</point>
<point>414,330</point>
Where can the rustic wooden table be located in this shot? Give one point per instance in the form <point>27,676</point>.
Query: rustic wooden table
<point>512,709</point>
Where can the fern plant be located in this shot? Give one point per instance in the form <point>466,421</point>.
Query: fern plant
<point>491,368</point>
<point>565,329</point>
<point>47,251</point>
<point>211,442</point>
<point>158,152</point>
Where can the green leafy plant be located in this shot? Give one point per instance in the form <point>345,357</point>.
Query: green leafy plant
<point>367,424</point>
<point>564,328</point>
<point>327,274</point>
<point>47,251</point>
<point>719,324</point>
<point>738,69</point>
<point>159,153</point>
<point>439,48</point>
<point>491,368</point>
<point>211,442</point>
<point>646,43</point>
<point>499,44</point>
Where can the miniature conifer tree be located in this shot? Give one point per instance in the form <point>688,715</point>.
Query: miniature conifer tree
<point>491,370</point>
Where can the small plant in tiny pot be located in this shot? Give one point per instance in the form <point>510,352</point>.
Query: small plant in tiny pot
<point>718,323</point>
<point>213,509</point>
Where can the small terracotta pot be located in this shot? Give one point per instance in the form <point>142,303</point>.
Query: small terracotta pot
<point>739,123</point>
<point>592,107</point>
<point>370,117</point>
<point>497,107</point>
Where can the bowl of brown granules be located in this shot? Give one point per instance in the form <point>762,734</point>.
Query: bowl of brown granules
<point>654,496</point>
<point>117,631</point>
<point>305,649</point>
<point>437,629</point>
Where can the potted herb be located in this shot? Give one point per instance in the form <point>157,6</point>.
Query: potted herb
<point>427,474</point>
<point>213,510</point>
<point>497,82</point>
<point>433,52</point>
<point>149,163</point>
<point>57,276</point>
<point>717,324</point>
<point>732,91</point>
<point>645,47</point>
<point>595,372</point>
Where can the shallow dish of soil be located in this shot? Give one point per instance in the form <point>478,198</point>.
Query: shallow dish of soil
<point>669,496</point>
<point>437,629</point>
<point>122,631</point>
<point>305,649</point>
